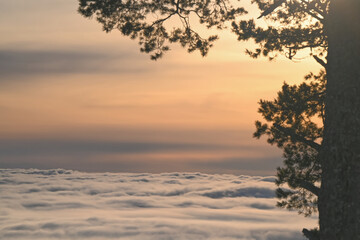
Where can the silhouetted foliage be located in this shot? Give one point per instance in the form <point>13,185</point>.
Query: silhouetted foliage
<point>293,125</point>
<point>145,20</point>
<point>297,25</point>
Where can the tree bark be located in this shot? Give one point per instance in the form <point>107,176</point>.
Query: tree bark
<point>339,200</point>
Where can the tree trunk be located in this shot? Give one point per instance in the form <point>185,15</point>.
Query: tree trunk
<point>339,200</point>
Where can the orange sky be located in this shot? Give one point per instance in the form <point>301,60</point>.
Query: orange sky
<point>72,96</point>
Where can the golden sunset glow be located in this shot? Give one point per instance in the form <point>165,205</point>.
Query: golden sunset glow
<point>63,79</point>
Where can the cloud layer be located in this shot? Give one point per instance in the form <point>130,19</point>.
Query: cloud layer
<point>62,204</point>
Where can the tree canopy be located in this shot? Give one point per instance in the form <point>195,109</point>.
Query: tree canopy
<point>296,25</point>
<point>145,20</point>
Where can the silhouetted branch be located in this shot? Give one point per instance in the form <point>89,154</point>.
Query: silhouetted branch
<point>298,138</point>
<point>320,61</point>
<point>271,8</point>
<point>310,187</point>
<point>318,11</point>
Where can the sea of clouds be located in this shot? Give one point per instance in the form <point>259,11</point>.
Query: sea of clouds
<point>63,204</point>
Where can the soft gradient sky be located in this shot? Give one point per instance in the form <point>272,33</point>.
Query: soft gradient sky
<point>74,97</point>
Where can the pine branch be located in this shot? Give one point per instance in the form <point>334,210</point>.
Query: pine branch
<point>271,8</point>
<point>320,61</point>
<point>290,132</point>
<point>308,8</point>
<point>310,187</point>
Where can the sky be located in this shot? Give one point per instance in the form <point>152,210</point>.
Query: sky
<point>65,204</point>
<point>74,97</point>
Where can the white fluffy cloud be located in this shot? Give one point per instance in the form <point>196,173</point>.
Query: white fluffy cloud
<point>62,204</point>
